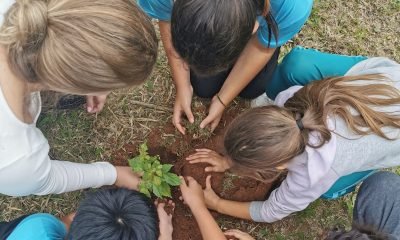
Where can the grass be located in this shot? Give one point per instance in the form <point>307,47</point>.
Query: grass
<point>346,27</point>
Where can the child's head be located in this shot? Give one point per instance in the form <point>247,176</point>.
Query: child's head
<point>79,46</point>
<point>263,140</point>
<point>115,214</point>
<point>211,34</point>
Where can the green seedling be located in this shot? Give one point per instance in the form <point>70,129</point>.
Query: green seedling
<point>157,178</point>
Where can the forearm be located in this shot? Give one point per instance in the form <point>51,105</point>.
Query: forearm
<point>252,60</point>
<point>234,209</point>
<point>208,226</point>
<point>179,70</point>
<point>66,176</point>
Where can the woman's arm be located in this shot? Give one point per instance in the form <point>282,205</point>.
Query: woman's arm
<point>253,58</point>
<point>181,76</point>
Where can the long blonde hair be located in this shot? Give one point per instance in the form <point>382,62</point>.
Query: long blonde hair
<point>262,139</point>
<point>79,46</point>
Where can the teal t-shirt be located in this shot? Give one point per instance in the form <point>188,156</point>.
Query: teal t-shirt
<point>290,16</point>
<point>39,226</point>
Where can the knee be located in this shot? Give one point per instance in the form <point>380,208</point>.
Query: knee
<point>295,65</point>
<point>381,181</point>
<point>203,92</point>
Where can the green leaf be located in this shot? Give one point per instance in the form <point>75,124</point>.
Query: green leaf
<point>172,179</point>
<point>136,165</point>
<point>143,150</point>
<point>144,190</point>
<point>167,167</point>
<point>156,180</point>
<point>157,191</point>
<point>165,189</point>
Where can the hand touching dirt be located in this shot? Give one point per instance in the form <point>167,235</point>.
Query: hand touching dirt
<point>126,178</point>
<point>238,235</point>
<point>214,114</point>
<point>182,105</point>
<point>210,196</point>
<point>218,162</point>
<point>166,228</point>
<point>192,193</point>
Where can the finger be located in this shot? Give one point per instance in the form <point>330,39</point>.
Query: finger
<point>189,115</point>
<point>206,121</point>
<point>100,106</point>
<point>177,122</point>
<point>212,169</point>
<point>204,150</point>
<point>214,125</point>
<point>208,182</point>
<point>89,103</point>
<point>233,234</point>
<point>183,183</point>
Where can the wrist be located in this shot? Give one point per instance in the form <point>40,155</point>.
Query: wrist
<point>165,237</point>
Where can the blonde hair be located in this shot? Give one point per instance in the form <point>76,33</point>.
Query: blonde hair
<point>79,46</point>
<point>262,139</point>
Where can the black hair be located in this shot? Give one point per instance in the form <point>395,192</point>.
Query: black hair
<point>357,232</point>
<point>115,214</point>
<point>210,35</point>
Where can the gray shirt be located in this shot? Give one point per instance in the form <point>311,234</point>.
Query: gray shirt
<point>313,172</point>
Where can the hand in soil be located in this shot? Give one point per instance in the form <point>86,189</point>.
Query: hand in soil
<point>192,193</point>
<point>218,162</point>
<point>238,235</point>
<point>182,105</point>
<point>126,178</point>
<point>166,228</point>
<point>214,114</point>
<point>210,196</point>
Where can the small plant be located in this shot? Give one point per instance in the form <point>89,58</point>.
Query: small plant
<point>157,178</point>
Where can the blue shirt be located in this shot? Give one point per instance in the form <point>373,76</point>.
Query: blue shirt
<point>290,16</point>
<point>39,226</point>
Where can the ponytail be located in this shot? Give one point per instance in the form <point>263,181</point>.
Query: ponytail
<point>263,139</point>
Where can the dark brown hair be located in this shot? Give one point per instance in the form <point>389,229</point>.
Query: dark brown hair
<point>262,139</point>
<point>210,35</point>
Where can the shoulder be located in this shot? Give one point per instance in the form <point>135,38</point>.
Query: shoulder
<point>290,16</point>
<point>39,226</point>
<point>283,96</point>
<point>158,9</point>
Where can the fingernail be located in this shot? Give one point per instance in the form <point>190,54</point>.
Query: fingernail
<point>89,109</point>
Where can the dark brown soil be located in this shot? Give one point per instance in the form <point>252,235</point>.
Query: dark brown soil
<point>234,188</point>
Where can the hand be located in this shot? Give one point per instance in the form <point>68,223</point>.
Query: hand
<point>238,234</point>
<point>182,105</point>
<point>214,114</point>
<point>127,179</point>
<point>218,162</point>
<point>95,104</point>
<point>166,228</point>
<point>211,198</point>
<point>192,193</point>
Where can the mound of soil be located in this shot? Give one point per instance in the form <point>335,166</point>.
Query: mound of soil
<point>174,151</point>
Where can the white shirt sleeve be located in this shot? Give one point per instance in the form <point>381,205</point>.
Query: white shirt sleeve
<point>294,194</point>
<point>31,171</point>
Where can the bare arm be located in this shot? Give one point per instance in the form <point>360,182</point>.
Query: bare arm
<point>208,226</point>
<point>181,76</point>
<point>192,194</point>
<point>253,58</point>
<point>234,209</point>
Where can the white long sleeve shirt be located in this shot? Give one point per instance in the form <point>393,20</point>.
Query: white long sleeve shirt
<point>25,167</point>
<point>312,173</point>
